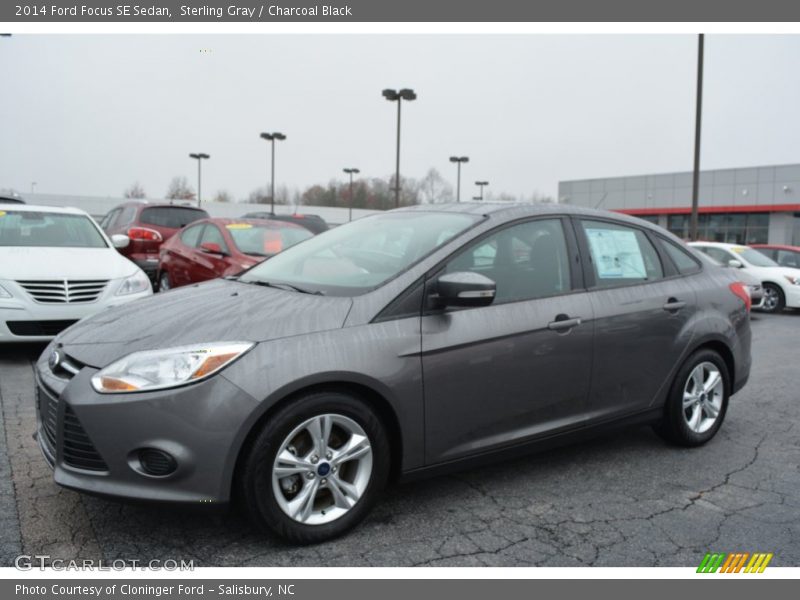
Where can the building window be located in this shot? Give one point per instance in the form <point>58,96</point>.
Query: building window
<point>731,228</point>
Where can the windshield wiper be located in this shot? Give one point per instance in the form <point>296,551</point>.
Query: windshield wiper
<point>284,286</point>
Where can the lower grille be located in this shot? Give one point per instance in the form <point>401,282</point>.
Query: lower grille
<point>78,449</point>
<point>48,328</point>
<point>48,413</point>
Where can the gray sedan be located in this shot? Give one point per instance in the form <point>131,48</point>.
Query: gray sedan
<point>399,345</point>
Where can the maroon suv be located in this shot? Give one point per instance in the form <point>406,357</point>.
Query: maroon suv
<point>148,225</point>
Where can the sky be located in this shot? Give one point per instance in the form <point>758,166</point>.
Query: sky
<point>91,114</point>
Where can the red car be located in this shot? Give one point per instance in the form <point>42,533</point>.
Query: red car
<point>148,226</point>
<point>214,248</point>
<point>785,256</point>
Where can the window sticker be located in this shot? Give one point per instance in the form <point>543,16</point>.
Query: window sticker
<point>616,254</point>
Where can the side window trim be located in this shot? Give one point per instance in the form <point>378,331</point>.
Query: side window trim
<point>661,243</point>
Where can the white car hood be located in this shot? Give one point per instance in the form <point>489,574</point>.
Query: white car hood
<point>63,263</point>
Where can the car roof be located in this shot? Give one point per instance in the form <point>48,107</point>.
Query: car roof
<point>509,210</point>
<point>777,247</point>
<point>65,210</point>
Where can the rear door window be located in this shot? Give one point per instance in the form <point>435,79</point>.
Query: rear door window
<point>621,255</point>
<point>684,261</point>
<point>173,217</point>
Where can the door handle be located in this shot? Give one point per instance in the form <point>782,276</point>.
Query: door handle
<point>563,323</point>
<point>674,305</point>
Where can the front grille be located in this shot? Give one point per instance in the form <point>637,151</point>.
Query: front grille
<point>64,291</point>
<point>78,449</point>
<point>48,328</point>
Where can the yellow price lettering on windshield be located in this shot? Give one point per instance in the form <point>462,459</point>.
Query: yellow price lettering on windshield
<point>2,213</point>
<point>239,226</point>
<point>738,249</point>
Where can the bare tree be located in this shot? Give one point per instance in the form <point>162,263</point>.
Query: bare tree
<point>223,196</point>
<point>433,188</point>
<point>260,195</point>
<point>179,189</point>
<point>135,190</point>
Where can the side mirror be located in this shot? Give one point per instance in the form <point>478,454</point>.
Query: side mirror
<point>735,264</point>
<point>120,240</point>
<point>211,248</point>
<point>464,288</point>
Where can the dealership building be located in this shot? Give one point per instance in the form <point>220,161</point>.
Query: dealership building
<point>745,206</point>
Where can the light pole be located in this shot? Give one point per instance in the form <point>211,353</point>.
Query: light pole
<point>351,172</point>
<point>458,160</point>
<point>398,96</point>
<point>271,137</point>
<point>481,185</point>
<point>199,158</point>
<point>33,187</point>
<point>697,116</point>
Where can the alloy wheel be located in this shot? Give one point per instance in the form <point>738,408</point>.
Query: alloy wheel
<point>322,469</point>
<point>771,299</point>
<point>163,283</point>
<point>702,397</point>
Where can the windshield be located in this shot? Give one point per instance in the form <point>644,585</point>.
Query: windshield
<point>354,258</point>
<point>55,230</point>
<point>265,240</point>
<point>754,257</point>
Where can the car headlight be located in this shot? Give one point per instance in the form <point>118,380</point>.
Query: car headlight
<point>792,279</point>
<point>160,369</point>
<point>136,283</point>
<point>4,293</point>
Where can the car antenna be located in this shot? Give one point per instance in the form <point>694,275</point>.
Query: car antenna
<point>603,199</point>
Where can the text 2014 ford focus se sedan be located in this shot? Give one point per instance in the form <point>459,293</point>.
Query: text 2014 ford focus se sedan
<point>397,345</point>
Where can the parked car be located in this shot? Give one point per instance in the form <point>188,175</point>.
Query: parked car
<point>751,282</point>
<point>212,248</point>
<point>11,200</point>
<point>56,267</point>
<point>148,225</point>
<point>785,256</point>
<point>314,223</point>
<point>781,284</point>
<point>405,343</point>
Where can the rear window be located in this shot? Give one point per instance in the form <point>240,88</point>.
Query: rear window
<point>48,230</point>
<point>173,217</point>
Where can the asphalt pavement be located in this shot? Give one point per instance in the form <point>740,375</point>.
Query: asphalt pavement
<point>626,499</point>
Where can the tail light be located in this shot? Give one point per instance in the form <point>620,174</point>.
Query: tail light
<point>145,234</point>
<point>739,289</point>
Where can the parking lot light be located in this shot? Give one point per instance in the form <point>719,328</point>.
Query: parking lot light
<point>199,157</point>
<point>351,172</point>
<point>271,137</point>
<point>458,160</point>
<point>398,96</point>
<point>481,185</point>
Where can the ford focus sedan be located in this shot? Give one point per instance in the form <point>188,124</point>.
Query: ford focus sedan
<point>399,345</point>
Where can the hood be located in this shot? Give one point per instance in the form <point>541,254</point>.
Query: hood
<point>217,311</point>
<point>63,263</point>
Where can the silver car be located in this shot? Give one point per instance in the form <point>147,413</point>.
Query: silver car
<point>400,345</point>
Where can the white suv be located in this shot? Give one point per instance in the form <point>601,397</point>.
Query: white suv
<point>781,284</point>
<point>56,267</point>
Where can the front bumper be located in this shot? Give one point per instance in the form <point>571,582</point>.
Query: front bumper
<point>792,293</point>
<point>24,320</point>
<point>92,441</point>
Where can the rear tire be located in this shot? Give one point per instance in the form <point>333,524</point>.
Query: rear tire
<point>774,299</point>
<point>164,284</point>
<point>698,400</point>
<point>341,490</point>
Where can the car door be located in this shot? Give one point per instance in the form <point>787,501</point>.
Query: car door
<point>643,310</point>
<point>519,368</point>
<point>179,254</point>
<point>207,265</point>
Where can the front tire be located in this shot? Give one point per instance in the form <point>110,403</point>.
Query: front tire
<point>698,400</point>
<point>774,299</point>
<point>316,468</point>
<point>164,283</point>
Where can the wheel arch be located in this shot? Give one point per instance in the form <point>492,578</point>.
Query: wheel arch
<point>724,350</point>
<point>359,389</point>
